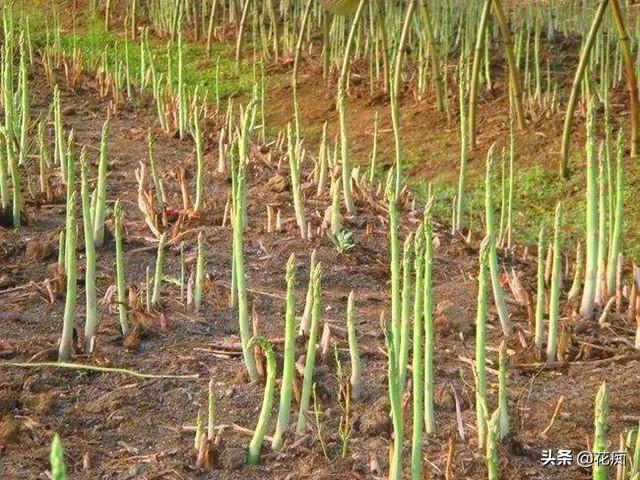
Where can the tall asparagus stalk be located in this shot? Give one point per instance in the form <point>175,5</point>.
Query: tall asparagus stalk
<point>238,261</point>
<point>464,151</point>
<point>395,93</point>
<point>417,364</point>
<point>4,184</point>
<point>616,241</point>
<point>158,275</point>
<point>90,254</point>
<point>554,293</point>
<point>197,292</point>
<point>289,356</point>
<point>24,103</point>
<point>66,340</point>
<point>15,180</point>
<point>101,189</point>
<point>394,249</point>
<point>253,452</point>
<point>577,82</point>
<point>305,321</point>
<point>60,153</point>
<point>481,348</point>
<point>591,244</point>
<point>429,335</point>
<point>475,70</point>
<point>342,110</point>
<point>294,166</point>
<point>395,467</point>
<point>354,353</point>
<point>498,294</point>
<point>120,282</point>
<point>310,357</point>
<point>539,325</point>
<point>601,273</point>
<point>403,358</point>
<point>434,56</point>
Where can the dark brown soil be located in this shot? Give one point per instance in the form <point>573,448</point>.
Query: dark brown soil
<point>119,426</point>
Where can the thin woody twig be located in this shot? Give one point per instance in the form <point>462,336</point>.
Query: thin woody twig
<point>95,368</point>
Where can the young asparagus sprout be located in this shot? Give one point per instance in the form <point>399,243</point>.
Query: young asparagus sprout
<point>61,250</point>
<point>540,297</point>
<point>157,277</point>
<point>58,468</point>
<point>197,293</point>
<point>481,348</point>
<point>493,435</point>
<point>66,340</point>
<point>197,439</point>
<point>336,216</point>
<point>323,161</point>
<point>253,452</point>
<point>374,149</point>
<point>199,161</point>
<point>90,254</point>
<point>120,282</point>
<point>554,294</point>
<point>289,356</point>
<point>577,276</point>
<point>311,352</point>
<point>636,454</point>
<point>356,369</point>
<point>600,443</point>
